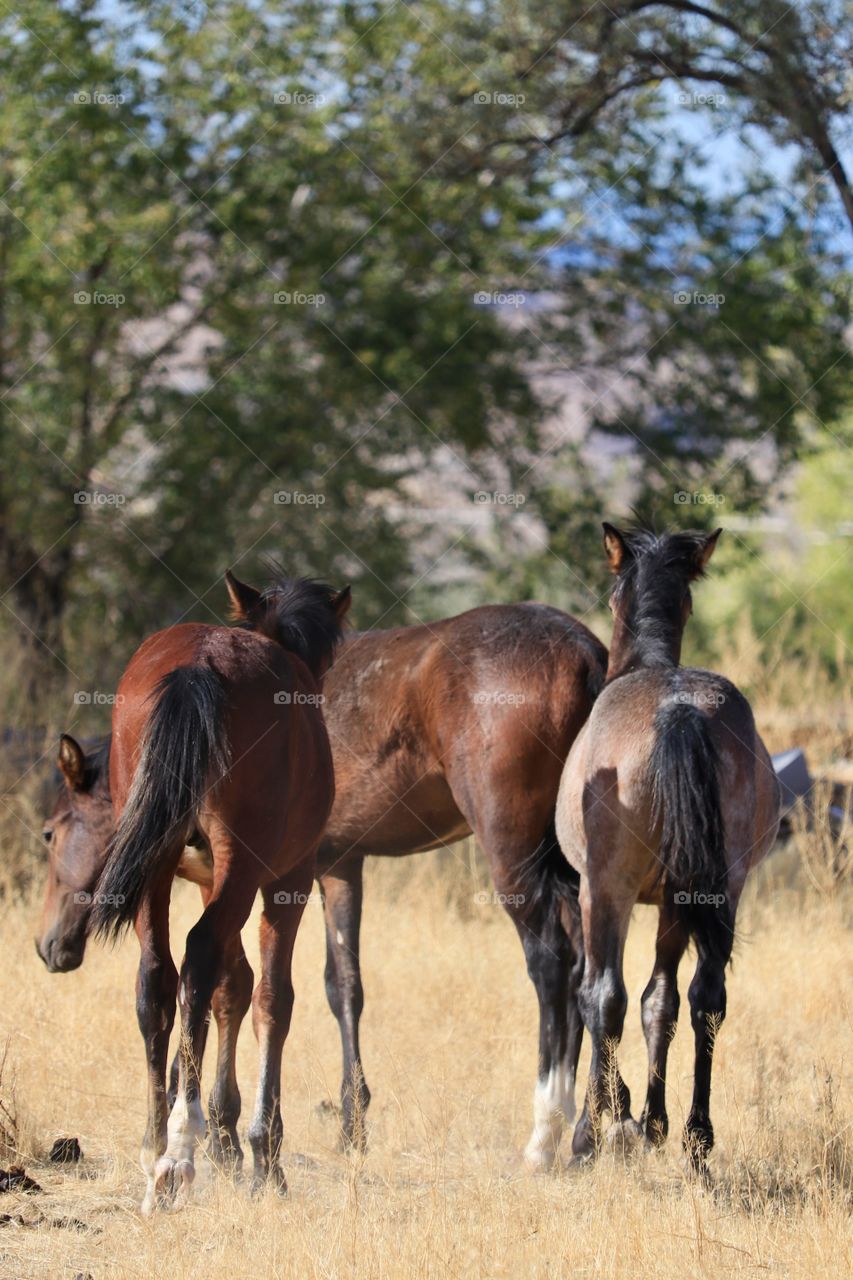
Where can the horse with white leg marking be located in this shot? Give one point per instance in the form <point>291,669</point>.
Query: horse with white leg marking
<point>442,730</point>
<point>77,833</point>
<point>219,744</point>
<point>436,731</point>
<point>668,797</point>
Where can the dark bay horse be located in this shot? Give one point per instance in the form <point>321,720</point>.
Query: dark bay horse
<point>668,797</point>
<point>438,731</point>
<point>219,746</point>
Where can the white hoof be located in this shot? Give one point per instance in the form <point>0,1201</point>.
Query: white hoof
<point>170,1186</point>
<point>539,1158</point>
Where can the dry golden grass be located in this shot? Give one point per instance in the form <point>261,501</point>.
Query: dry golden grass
<point>450,1049</point>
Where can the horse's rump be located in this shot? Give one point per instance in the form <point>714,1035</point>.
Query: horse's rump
<point>183,751</point>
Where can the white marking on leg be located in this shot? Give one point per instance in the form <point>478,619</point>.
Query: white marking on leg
<point>186,1128</point>
<point>553,1106</point>
<point>264,1095</point>
<point>177,1165</point>
<point>149,1162</point>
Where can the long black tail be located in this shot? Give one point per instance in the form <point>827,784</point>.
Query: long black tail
<point>183,753</point>
<point>686,790</point>
<point>551,887</point>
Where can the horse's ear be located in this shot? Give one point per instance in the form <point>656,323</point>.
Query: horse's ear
<point>341,603</point>
<point>243,597</point>
<point>615,547</point>
<point>704,551</point>
<point>72,762</point>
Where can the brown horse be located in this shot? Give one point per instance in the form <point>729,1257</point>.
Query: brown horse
<point>437,731</point>
<point>219,745</point>
<point>77,834</point>
<point>668,797</point>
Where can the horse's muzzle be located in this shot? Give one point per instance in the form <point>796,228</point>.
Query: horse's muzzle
<point>60,955</point>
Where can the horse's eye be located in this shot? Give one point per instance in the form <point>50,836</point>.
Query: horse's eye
<point>47,835</point>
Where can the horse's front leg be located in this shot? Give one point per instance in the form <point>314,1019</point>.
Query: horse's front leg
<point>272,1007</point>
<point>156,990</point>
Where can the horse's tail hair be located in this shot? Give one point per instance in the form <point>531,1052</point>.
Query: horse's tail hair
<point>183,755</point>
<point>550,888</point>
<point>687,809</point>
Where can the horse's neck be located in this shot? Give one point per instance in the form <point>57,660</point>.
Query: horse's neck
<point>651,643</point>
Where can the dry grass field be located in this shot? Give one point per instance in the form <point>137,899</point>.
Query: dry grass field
<point>449,1033</point>
<point>449,1038</point>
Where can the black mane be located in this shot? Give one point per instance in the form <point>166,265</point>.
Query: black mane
<point>98,762</point>
<point>300,614</point>
<point>656,571</point>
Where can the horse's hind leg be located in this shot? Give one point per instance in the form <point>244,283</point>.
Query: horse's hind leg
<point>707,996</point>
<point>230,1003</point>
<point>156,989</point>
<point>272,1007</point>
<point>534,900</point>
<point>603,1002</point>
<point>660,1017</point>
<point>208,943</point>
<point>342,897</point>
<point>551,965</point>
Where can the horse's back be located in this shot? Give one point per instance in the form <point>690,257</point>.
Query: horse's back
<point>500,689</point>
<point>486,639</point>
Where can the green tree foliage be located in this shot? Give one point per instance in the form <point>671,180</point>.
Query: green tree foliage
<point>790,582</point>
<point>244,253</point>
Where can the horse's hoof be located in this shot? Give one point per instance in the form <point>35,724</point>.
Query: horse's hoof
<point>274,1180</point>
<point>172,1182</point>
<point>696,1165</point>
<point>655,1134</point>
<point>623,1137</point>
<point>697,1144</point>
<point>698,1172</point>
<point>225,1158</point>
<point>352,1144</point>
<point>539,1159</point>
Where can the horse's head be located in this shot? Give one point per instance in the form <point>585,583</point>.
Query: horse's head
<point>306,617</point>
<point>651,599</point>
<point>77,833</point>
